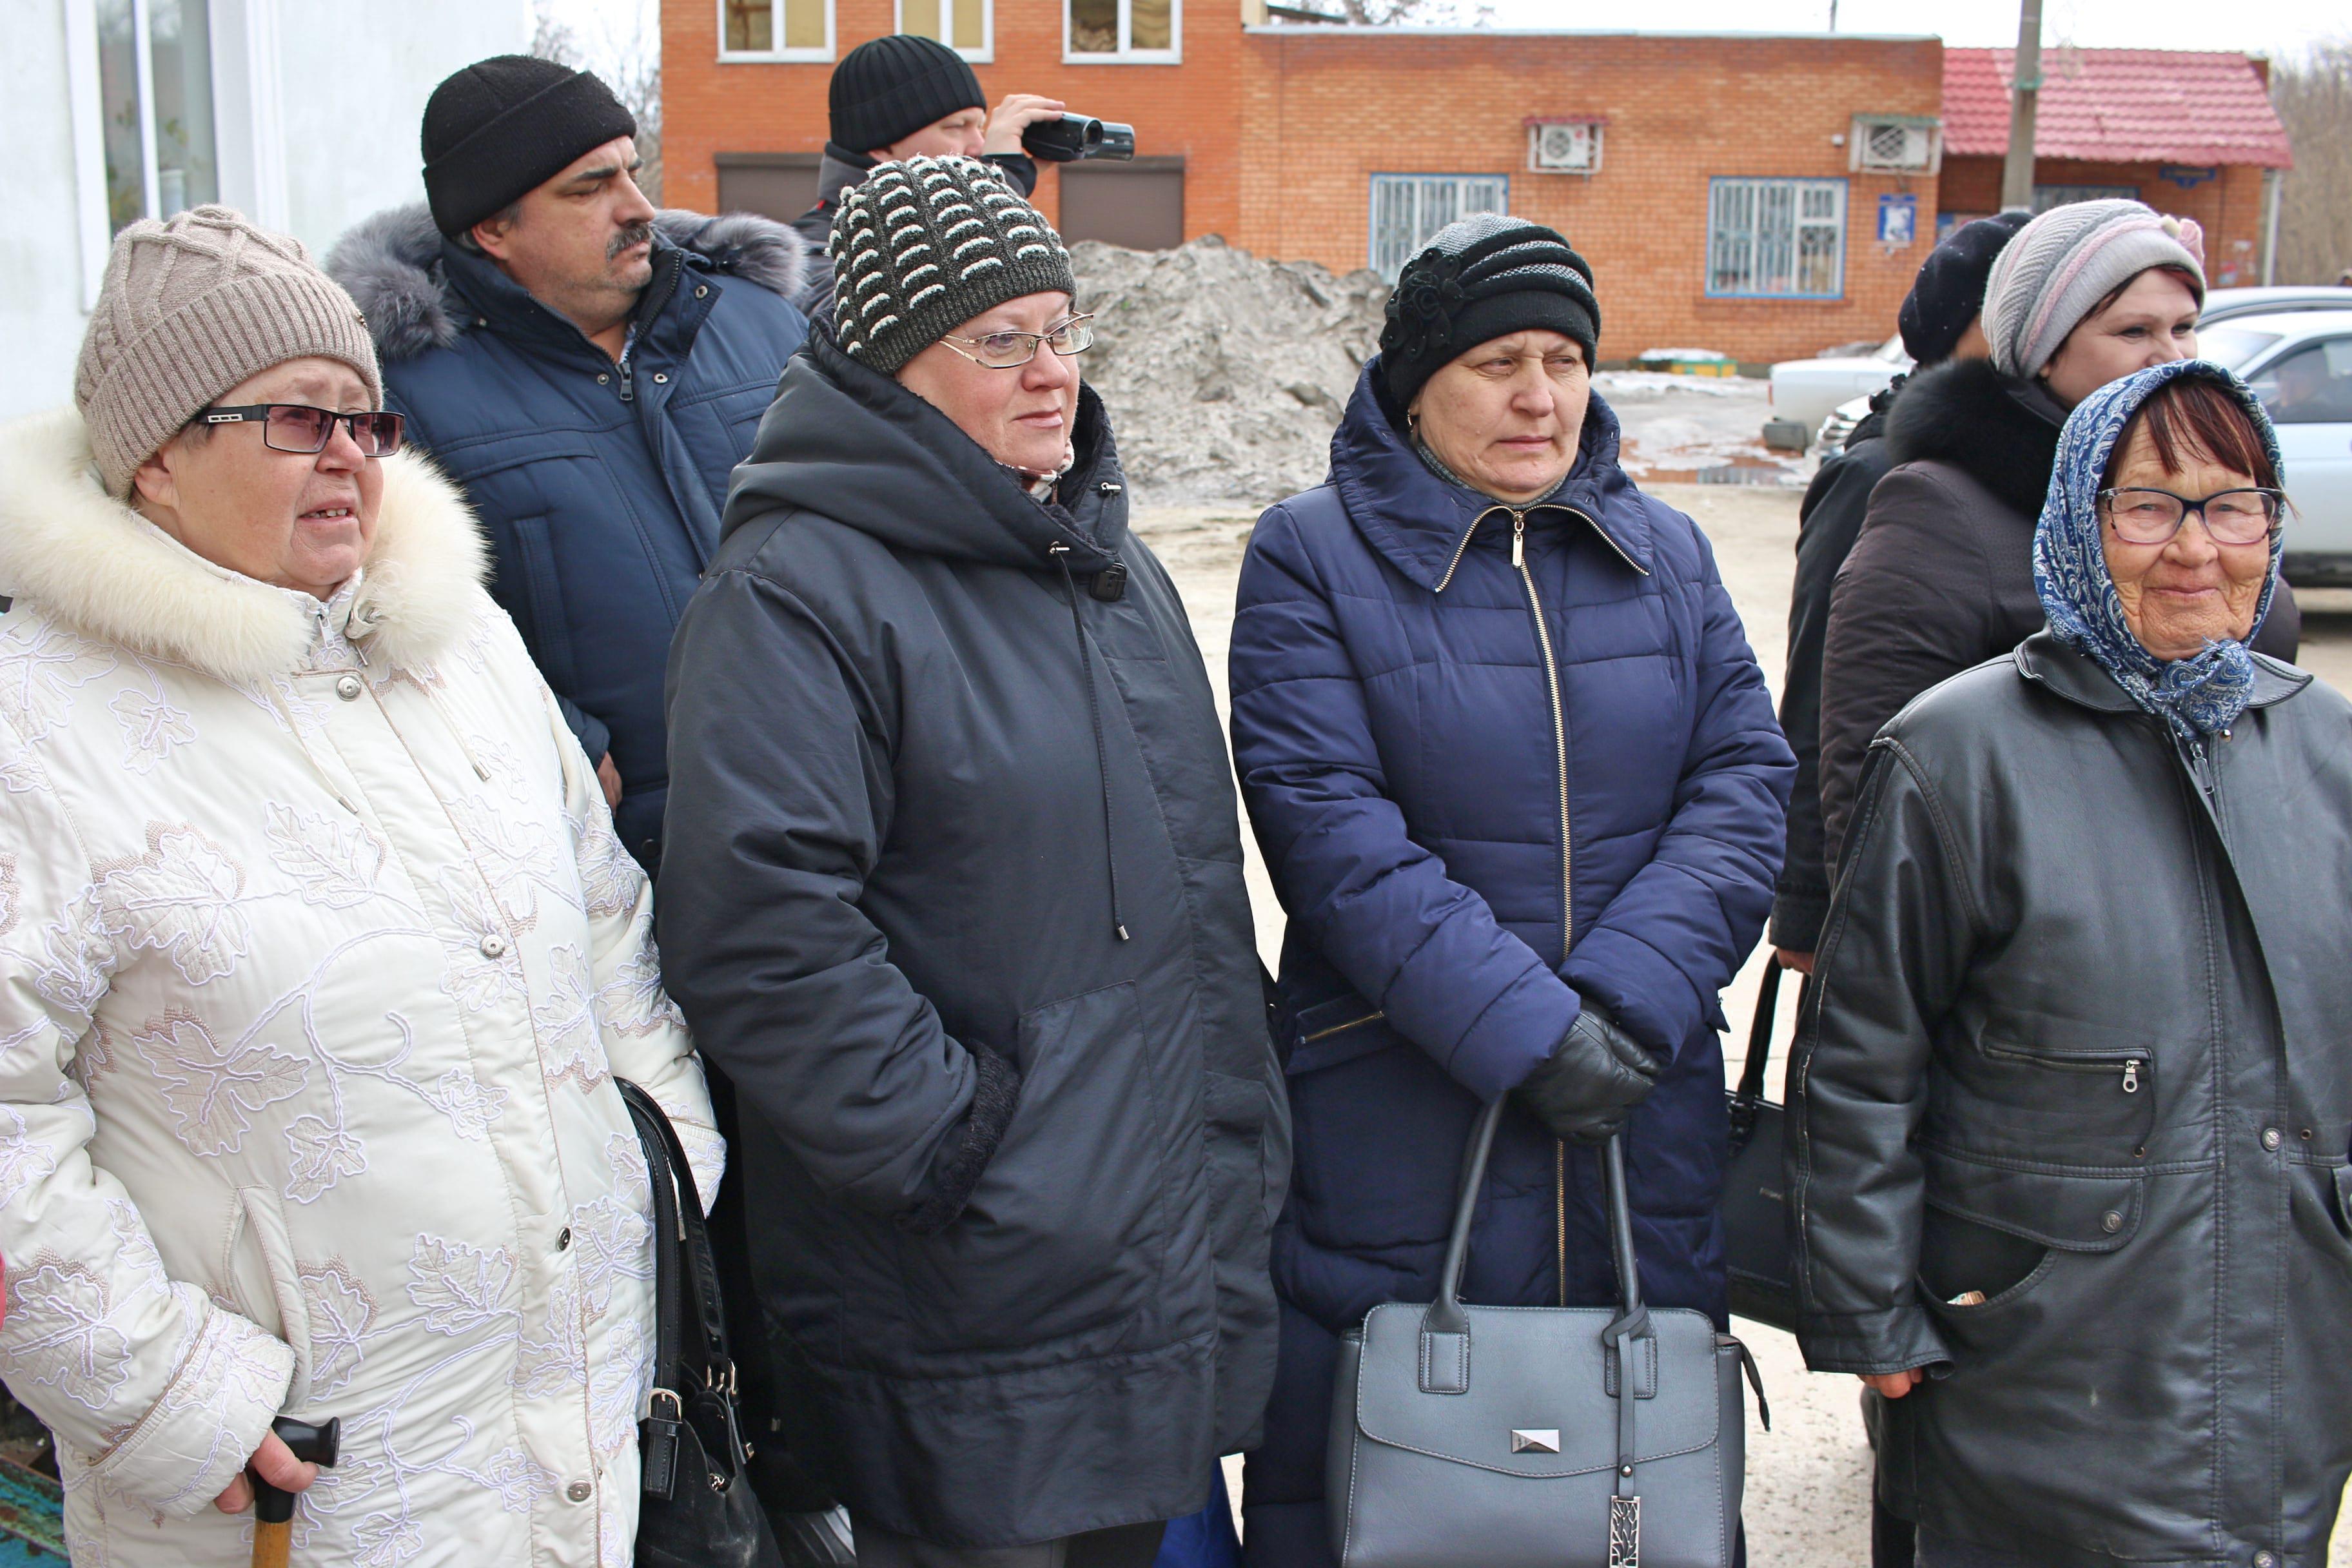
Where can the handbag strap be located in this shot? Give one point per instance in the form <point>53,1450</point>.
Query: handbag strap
<point>1445,1327</point>
<point>1760,1039</point>
<point>690,1324</point>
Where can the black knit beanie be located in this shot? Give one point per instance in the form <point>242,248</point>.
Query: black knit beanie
<point>887,89</point>
<point>1482,277</point>
<point>1950,288</point>
<point>505,126</point>
<point>921,247</point>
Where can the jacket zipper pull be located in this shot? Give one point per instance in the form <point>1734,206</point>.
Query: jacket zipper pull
<point>1520,540</point>
<point>2131,1075</point>
<point>629,380</point>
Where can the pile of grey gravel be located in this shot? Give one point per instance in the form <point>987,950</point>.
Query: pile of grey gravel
<point>1225,374</point>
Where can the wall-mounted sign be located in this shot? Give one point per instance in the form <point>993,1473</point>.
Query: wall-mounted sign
<point>1898,220</point>
<point>2187,177</point>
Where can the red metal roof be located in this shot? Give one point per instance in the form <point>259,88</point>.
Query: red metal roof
<point>2118,106</point>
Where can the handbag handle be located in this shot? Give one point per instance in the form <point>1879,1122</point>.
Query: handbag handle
<point>1445,1317</point>
<point>686,1272</point>
<point>1759,1043</point>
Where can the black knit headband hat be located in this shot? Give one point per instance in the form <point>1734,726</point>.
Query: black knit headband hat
<point>1483,277</point>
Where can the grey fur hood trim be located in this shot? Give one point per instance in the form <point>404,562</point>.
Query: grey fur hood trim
<point>391,263</point>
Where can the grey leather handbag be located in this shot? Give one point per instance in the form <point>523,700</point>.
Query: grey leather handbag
<point>1466,1436</point>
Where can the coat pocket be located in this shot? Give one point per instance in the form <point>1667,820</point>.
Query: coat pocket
<point>265,1283</point>
<point>2046,1108</point>
<point>1065,1230</point>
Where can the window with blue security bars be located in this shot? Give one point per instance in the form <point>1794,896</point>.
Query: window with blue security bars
<point>1776,240</point>
<point>1408,209</point>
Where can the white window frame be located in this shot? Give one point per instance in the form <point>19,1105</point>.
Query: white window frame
<point>986,52</point>
<point>248,141</point>
<point>775,30</point>
<point>1126,54</point>
<point>1423,232</point>
<point>1715,189</point>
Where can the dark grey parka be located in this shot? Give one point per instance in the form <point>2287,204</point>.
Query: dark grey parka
<point>2078,1040</point>
<point>1010,1179</point>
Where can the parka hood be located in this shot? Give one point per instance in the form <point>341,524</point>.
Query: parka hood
<point>850,444</point>
<point>392,263</point>
<point>2000,430</point>
<point>1417,520</point>
<point>94,564</point>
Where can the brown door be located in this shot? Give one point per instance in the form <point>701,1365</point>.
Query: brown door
<point>1138,205</point>
<point>781,185</point>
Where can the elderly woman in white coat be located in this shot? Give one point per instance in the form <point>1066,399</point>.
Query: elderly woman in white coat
<point>318,960</point>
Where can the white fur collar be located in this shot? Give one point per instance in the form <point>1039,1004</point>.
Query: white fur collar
<point>94,564</point>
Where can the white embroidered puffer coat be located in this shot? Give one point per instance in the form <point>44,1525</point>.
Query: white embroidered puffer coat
<point>317,957</point>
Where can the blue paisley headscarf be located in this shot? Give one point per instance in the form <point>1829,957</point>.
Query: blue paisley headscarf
<point>2195,696</point>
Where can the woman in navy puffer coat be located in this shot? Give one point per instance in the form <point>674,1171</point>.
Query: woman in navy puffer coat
<point>1519,782</point>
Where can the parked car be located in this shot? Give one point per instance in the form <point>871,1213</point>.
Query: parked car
<point>2223,304</point>
<point>1807,390</point>
<point>2299,362</point>
<point>1830,439</point>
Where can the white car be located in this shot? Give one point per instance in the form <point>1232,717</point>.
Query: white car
<point>1806,390</point>
<point>2299,365</point>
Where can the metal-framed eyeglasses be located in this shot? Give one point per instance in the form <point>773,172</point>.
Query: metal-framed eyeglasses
<point>2153,517</point>
<point>300,428</point>
<point>1011,351</point>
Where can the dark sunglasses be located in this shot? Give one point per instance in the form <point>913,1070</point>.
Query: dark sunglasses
<point>301,429</point>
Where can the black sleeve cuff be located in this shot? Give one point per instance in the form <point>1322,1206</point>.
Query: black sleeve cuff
<point>1798,916</point>
<point>993,1100</point>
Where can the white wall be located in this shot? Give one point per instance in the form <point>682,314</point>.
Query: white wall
<point>319,106</point>
<point>40,258</point>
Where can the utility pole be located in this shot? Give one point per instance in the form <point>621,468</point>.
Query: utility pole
<point>2017,169</point>
<point>1832,16</point>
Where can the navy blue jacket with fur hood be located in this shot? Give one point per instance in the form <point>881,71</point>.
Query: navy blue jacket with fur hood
<point>600,485</point>
<point>1394,726</point>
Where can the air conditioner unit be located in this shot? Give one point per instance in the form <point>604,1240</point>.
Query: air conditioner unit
<point>1564,146</point>
<point>1896,145</point>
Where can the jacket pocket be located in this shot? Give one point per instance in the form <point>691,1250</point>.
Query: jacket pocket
<point>1065,1230</point>
<point>2070,1212</point>
<point>2046,1108</point>
<point>542,596</point>
<point>1335,1031</point>
<point>264,1281</point>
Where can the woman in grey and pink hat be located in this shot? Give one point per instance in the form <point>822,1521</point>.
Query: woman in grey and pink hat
<point>1940,578</point>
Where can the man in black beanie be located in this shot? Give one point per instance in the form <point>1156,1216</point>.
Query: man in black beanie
<point>899,96</point>
<point>1938,321</point>
<point>589,371</point>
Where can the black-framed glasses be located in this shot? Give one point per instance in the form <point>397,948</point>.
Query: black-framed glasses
<point>1011,351</point>
<point>298,427</point>
<point>2153,517</point>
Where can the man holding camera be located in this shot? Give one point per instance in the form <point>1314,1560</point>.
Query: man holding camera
<point>894,97</point>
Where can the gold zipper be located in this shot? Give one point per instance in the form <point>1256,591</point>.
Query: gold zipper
<point>1342,1028</point>
<point>1566,857</point>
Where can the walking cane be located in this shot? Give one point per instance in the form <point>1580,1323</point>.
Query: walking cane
<point>273,1511</point>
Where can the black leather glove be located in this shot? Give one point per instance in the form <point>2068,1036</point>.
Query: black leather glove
<point>1592,1081</point>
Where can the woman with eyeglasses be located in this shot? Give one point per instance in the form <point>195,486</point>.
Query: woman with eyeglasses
<point>2073,1100</point>
<point>318,961</point>
<point>952,890</point>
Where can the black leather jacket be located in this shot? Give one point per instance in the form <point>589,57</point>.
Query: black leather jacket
<point>2078,1041</point>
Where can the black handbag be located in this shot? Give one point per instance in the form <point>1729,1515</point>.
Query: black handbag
<point>1537,1437</point>
<point>1755,1202</point>
<point>698,1510</point>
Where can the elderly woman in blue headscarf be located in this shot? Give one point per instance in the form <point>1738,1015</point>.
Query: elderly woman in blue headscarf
<point>2067,1157</point>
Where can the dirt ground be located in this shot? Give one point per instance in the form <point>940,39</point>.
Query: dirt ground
<point>1808,1479</point>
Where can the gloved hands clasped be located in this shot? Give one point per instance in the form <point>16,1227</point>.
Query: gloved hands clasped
<point>1591,1083</point>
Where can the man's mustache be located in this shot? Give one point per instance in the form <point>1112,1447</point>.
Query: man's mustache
<point>636,233</point>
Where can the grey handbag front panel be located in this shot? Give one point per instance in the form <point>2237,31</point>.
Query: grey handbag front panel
<point>1518,1470</point>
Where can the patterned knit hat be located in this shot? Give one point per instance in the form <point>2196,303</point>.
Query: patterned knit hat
<point>1481,277</point>
<point>921,246</point>
<point>189,308</point>
<point>2064,262</point>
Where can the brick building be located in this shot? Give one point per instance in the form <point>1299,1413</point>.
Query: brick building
<point>1762,195</point>
<point>2192,134</point>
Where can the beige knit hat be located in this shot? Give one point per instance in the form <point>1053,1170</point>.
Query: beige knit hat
<point>190,307</point>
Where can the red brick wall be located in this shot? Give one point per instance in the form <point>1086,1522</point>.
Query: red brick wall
<point>2230,207</point>
<point>709,108</point>
<point>1322,114</point>
<point>1282,131</point>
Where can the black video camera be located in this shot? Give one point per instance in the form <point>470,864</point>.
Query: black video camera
<point>1066,138</point>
